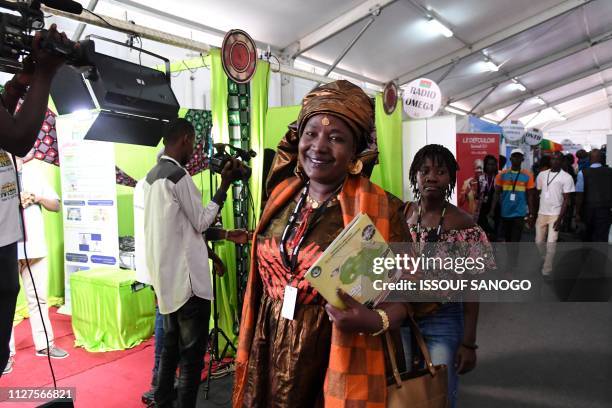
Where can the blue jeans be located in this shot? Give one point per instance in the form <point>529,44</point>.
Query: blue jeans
<point>443,333</point>
<point>185,340</point>
<point>159,343</point>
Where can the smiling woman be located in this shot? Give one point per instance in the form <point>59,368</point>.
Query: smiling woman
<point>296,350</point>
<point>326,150</point>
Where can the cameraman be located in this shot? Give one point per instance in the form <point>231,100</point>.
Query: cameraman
<point>177,260</point>
<point>18,133</point>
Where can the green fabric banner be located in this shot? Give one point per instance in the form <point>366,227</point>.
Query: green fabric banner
<point>227,295</point>
<point>259,112</point>
<point>54,236</point>
<point>389,173</point>
<point>277,120</point>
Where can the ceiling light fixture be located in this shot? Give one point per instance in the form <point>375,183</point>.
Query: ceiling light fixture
<point>456,111</point>
<point>539,100</point>
<point>490,65</point>
<point>439,28</point>
<point>517,85</point>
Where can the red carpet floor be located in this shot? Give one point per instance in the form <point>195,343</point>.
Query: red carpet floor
<point>112,379</point>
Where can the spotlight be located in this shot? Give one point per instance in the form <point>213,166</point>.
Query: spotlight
<point>134,102</point>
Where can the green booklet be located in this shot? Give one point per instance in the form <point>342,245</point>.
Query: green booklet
<point>348,263</point>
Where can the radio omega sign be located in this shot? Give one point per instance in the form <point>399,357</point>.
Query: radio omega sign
<point>422,98</point>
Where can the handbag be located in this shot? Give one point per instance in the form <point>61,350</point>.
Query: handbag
<point>421,388</point>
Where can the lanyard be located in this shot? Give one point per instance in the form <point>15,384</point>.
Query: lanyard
<point>290,261</point>
<point>435,237</point>
<point>515,180</point>
<point>548,182</point>
<point>489,182</point>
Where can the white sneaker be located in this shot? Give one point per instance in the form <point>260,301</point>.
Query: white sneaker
<point>56,353</point>
<point>9,365</point>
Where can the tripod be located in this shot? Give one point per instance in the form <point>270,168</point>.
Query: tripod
<point>216,331</point>
<point>214,338</point>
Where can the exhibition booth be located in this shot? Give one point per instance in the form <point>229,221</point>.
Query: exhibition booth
<point>102,312</point>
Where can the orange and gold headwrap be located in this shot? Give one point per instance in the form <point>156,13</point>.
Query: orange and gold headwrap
<point>342,99</point>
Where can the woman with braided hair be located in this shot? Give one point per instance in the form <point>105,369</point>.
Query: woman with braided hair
<point>450,332</point>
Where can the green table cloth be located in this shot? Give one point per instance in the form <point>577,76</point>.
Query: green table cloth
<point>106,314</point>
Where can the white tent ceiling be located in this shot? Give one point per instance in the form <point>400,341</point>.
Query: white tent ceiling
<point>558,50</point>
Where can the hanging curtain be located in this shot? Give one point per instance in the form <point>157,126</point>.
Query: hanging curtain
<point>389,172</point>
<point>259,112</point>
<point>276,124</point>
<point>227,299</point>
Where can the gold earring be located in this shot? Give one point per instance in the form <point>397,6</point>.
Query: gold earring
<point>355,167</point>
<point>297,171</point>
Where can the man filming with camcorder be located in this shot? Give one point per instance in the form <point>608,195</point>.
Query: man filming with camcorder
<point>18,132</point>
<point>177,260</point>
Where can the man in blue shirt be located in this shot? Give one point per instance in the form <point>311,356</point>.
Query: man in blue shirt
<point>514,188</point>
<point>594,199</point>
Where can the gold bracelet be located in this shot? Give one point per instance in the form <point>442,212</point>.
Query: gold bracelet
<point>385,322</point>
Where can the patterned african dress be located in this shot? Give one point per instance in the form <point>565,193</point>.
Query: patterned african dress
<point>289,358</point>
<point>471,242</point>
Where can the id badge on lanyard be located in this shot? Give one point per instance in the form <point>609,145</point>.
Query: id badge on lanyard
<point>513,194</point>
<point>289,301</point>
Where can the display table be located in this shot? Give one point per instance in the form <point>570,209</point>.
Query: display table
<point>106,314</point>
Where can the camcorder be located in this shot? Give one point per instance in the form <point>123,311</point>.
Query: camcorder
<point>221,157</point>
<point>17,33</point>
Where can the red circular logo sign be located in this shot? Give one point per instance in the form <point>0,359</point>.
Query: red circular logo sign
<point>390,94</point>
<point>239,56</point>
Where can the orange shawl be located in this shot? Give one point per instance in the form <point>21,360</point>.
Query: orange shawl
<point>356,370</point>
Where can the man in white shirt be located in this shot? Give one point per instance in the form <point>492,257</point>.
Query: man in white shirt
<point>177,260</point>
<point>35,193</point>
<point>555,187</point>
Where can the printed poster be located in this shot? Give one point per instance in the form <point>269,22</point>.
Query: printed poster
<point>471,151</point>
<point>89,198</point>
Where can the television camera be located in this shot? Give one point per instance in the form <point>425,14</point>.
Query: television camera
<point>17,33</point>
<point>221,156</point>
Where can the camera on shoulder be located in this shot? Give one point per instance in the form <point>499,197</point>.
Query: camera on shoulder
<point>16,35</point>
<point>220,158</point>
